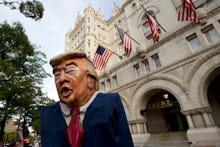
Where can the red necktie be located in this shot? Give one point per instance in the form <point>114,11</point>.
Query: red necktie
<point>75,129</point>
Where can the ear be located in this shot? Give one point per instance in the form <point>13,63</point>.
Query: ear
<point>91,82</point>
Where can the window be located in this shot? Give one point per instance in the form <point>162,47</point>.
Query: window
<point>137,70</point>
<point>149,37</point>
<point>121,47</point>
<point>194,42</point>
<point>115,82</point>
<point>133,6</point>
<point>146,26</point>
<point>211,34</point>
<point>88,42</point>
<point>201,3</point>
<point>146,66</point>
<point>109,83</point>
<point>121,50</point>
<point>156,59</point>
<point>145,20</point>
<point>103,86</point>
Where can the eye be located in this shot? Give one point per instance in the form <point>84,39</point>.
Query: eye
<point>57,74</point>
<point>71,69</point>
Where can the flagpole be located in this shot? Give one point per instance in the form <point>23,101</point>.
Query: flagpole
<point>114,53</point>
<point>160,26</point>
<point>127,35</point>
<point>155,20</point>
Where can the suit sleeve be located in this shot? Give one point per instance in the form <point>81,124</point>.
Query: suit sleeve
<point>43,126</point>
<point>120,122</point>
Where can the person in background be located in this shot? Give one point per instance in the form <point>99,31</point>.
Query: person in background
<point>36,144</point>
<point>26,142</point>
<point>84,117</point>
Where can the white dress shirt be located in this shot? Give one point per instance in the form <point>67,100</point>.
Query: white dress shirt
<point>66,110</point>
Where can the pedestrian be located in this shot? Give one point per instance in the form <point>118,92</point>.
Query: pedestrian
<point>26,142</point>
<point>35,143</point>
<point>84,116</point>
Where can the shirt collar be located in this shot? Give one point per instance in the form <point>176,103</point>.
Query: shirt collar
<point>84,107</point>
<point>66,109</point>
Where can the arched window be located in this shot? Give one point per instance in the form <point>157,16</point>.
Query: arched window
<point>145,21</point>
<point>146,27</point>
<point>133,6</point>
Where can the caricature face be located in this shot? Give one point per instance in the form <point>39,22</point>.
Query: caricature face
<point>72,81</point>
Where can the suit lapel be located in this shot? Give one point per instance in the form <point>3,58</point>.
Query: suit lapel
<point>93,107</point>
<point>60,125</point>
<point>60,117</point>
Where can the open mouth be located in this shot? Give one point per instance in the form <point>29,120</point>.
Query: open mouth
<point>65,92</point>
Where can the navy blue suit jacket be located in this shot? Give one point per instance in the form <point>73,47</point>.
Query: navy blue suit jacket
<point>105,124</point>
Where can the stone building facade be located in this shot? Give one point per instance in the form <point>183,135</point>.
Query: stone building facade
<point>170,89</point>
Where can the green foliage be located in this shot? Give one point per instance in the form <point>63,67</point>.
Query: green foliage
<point>33,9</point>
<point>10,137</point>
<point>21,77</point>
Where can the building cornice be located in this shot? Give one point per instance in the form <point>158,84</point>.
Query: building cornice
<point>197,111</point>
<point>170,37</point>
<point>164,69</point>
<point>181,31</point>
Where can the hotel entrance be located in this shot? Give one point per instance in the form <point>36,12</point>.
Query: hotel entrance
<point>163,114</point>
<point>214,96</point>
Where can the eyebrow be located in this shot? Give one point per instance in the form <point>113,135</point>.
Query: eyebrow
<point>71,63</point>
<point>68,64</point>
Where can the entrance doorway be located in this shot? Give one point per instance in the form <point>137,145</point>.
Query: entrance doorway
<point>214,98</point>
<point>163,113</point>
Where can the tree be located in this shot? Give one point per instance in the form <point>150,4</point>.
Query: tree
<point>33,9</point>
<point>21,76</point>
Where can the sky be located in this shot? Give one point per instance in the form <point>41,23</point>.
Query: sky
<point>48,34</point>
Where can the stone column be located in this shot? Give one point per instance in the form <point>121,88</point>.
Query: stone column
<point>207,120</point>
<point>190,122</point>
<point>211,118</point>
<point>141,126</point>
<point>198,120</point>
<point>206,114</point>
<point>201,125</point>
<point>134,128</point>
<point>138,126</point>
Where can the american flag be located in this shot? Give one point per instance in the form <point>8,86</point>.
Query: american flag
<point>187,12</point>
<point>153,26</point>
<point>126,41</point>
<point>101,57</point>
